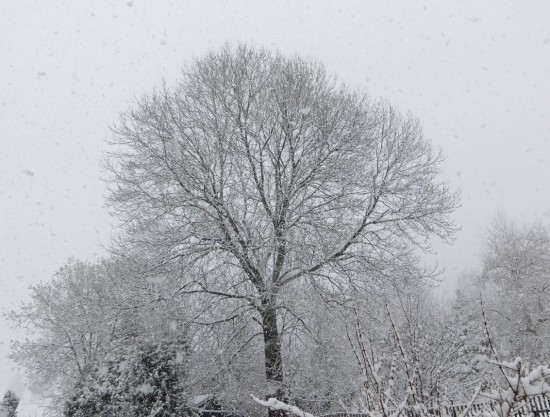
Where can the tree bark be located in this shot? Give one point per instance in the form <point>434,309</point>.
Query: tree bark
<point>273,354</point>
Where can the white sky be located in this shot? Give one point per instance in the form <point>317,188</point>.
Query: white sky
<point>476,73</point>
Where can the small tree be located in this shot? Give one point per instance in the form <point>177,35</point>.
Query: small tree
<point>10,402</point>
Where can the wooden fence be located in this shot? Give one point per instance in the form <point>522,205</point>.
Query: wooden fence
<point>538,406</point>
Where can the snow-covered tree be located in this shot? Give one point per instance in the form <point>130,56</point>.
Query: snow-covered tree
<point>432,338</point>
<point>516,279</point>
<point>70,322</point>
<point>137,381</point>
<point>257,171</point>
<point>87,311</point>
<point>471,364</point>
<point>10,403</point>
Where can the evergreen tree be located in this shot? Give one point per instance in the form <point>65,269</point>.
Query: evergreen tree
<point>138,382</point>
<point>10,402</point>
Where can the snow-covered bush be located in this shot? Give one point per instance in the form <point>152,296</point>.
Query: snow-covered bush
<point>140,381</point>
<point>10,404</point>
<point>521,386</point>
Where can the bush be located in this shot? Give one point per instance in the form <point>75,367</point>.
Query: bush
<point>10,403</point>
<point>139,382</point>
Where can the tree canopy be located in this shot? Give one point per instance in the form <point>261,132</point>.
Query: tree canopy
<point>258,171</point>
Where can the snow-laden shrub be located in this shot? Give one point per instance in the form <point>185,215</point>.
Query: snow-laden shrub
<point>9,404</point>
<point>139,381</point>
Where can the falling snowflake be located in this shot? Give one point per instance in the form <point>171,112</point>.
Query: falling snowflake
<point>145,388</point>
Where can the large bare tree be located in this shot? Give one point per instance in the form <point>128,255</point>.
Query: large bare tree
<point>256,172</point>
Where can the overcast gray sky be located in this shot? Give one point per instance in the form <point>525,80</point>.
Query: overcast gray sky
<point>476,73</point>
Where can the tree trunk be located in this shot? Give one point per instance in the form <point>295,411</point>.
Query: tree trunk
<point>273,358</point>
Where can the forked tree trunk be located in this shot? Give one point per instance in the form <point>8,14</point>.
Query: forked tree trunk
<point>273,356</point>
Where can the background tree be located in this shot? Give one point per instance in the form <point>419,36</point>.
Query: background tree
<point>471,366</point>
<point>437,343</point>
<point>257,171</point>
<point>515,274</point>
<point>71,323</point>
<point>86,312</point>
<point>10,403</point>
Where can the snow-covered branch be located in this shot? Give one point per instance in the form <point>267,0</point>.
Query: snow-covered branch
<point>275,404</point>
